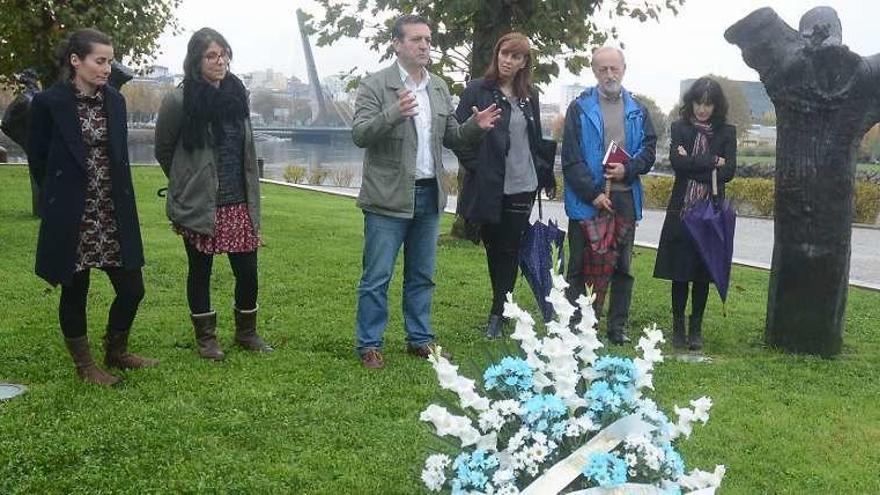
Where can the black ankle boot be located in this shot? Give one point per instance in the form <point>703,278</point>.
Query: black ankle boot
<point>679,340</point>
<point>493,327</point>
<point>695,332</point>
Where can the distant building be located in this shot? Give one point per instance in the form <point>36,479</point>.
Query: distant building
<point>754,92</point>
<point>570,92</point>
<point>266,79</point>
<point>158,75</point>
<point>297,89</point>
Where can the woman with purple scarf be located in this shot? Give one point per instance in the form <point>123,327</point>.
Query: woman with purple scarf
<point>702,142</point>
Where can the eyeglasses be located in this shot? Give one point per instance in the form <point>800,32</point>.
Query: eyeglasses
<point>214,57</point>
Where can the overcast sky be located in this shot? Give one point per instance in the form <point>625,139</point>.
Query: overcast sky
<point>264,34</point>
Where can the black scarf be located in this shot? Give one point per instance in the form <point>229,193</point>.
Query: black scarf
<point>204,105</point>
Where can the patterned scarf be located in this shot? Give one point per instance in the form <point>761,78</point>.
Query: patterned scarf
<point>697,191</point>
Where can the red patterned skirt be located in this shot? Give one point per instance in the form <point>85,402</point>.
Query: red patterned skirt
<point>233,232</point>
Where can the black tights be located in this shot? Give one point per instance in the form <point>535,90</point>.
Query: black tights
<point>502,245</point>
<point>129,287</point>
<point>699,294</point>
<point>198,279</point>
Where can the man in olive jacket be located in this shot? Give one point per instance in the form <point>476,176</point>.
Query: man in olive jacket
<point>403,115</point>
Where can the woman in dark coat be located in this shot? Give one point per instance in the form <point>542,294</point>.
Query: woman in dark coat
<point>702,143</point>
<point>78,153</point>
<point>205,145</point>
<point>504,169</point>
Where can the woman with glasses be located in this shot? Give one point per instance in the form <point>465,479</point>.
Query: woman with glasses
<point>205,146</point>
<point>78,154</point>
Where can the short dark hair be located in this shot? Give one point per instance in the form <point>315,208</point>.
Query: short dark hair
<point>704,90</point>
<point>397,28</point>
<point>79,43</point>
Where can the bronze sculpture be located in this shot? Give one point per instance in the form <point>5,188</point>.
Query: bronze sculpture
<point>826,98</point>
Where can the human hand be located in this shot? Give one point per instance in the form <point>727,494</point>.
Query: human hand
<point>682,151</point>
<point>407,103</point>
<point>602,202</point>
<point>550,192</point>
<point>615,171</point>
<point>720,162</point>
<point>486,119</point>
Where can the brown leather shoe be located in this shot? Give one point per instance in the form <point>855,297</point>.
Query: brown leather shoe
<point>424,351</point>
<point>372,359</point>
<point>246,335</point>
<point>205,326</point>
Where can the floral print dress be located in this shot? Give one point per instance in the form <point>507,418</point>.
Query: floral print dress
<point>98,245</point>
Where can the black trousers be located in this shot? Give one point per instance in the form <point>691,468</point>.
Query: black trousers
<point>621,280</point>
<point>699,295</point>
<point>502,241</point>
<point>198,279</point>
<point>129,288</point>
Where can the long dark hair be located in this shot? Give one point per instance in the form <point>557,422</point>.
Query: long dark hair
<point>79,43</point>
<point>516,43</point>
<point>704,90</point>
<point>203,104</point>
<point>195,51</point>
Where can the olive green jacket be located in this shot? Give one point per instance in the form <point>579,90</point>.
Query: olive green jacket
<point>388,184</point>
<point>192,175</point>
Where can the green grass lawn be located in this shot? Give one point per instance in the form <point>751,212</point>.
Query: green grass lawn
<point>309,419</point>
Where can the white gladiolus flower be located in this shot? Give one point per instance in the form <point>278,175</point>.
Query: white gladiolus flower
<point>450,424</point>
<point>701,409</point>
<point>434,473</point>
<point>449,379</point>
<point>697,480</point>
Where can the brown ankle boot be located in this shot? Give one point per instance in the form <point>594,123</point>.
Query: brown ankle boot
<point>205,326</point>
<point>246,331</point>
<point>86,369</point>
<point>116,353</point>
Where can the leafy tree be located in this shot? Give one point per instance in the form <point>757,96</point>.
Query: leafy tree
<point>658,118</point>
<point>143,99</point>
<point>769,118</point>
<point>738,112</point>
<point>465,31</point>
<point>869,147</point>
<point>31,29</point>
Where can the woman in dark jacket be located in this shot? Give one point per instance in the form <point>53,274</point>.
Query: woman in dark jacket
<point>205,146</point>
<point>702,144</point>
<point>504,171</point>
<point>78,153</point>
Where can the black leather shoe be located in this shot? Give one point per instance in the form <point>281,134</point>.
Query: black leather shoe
<point>494,326</point>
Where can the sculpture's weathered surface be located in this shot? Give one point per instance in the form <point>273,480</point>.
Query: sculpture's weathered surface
<point>826,98</point>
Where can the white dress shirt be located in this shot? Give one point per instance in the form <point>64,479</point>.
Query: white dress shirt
<point>424,160</point>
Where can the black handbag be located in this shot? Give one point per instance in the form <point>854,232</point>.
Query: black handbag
<point>545,161</point>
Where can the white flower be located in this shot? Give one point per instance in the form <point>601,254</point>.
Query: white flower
<point>701,408</point>
<point>687,417</point>
<point>449,379</point>
<point>450,424</point>
<point>697,480</point>
<point>434,473</point>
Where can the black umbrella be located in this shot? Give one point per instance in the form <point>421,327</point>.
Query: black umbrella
<point>536,259</point>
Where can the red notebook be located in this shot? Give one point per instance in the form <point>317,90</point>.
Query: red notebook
<point>615,154</point>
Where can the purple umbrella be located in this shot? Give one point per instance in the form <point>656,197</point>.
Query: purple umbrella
<point>711,226</point>
<point>536,260</point>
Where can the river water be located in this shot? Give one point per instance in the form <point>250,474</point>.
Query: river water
<point>340,154</point>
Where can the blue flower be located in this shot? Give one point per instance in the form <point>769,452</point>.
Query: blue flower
<point>616,369</point>
<point>511,375</point>
<point>605,469</point>
<point>607,399</point>
<point>473,470</point>
<point>543,411</point>
<point>673,465</point>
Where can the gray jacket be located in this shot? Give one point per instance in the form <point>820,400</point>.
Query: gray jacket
<point>390,140</point>
<point>192,175</point>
